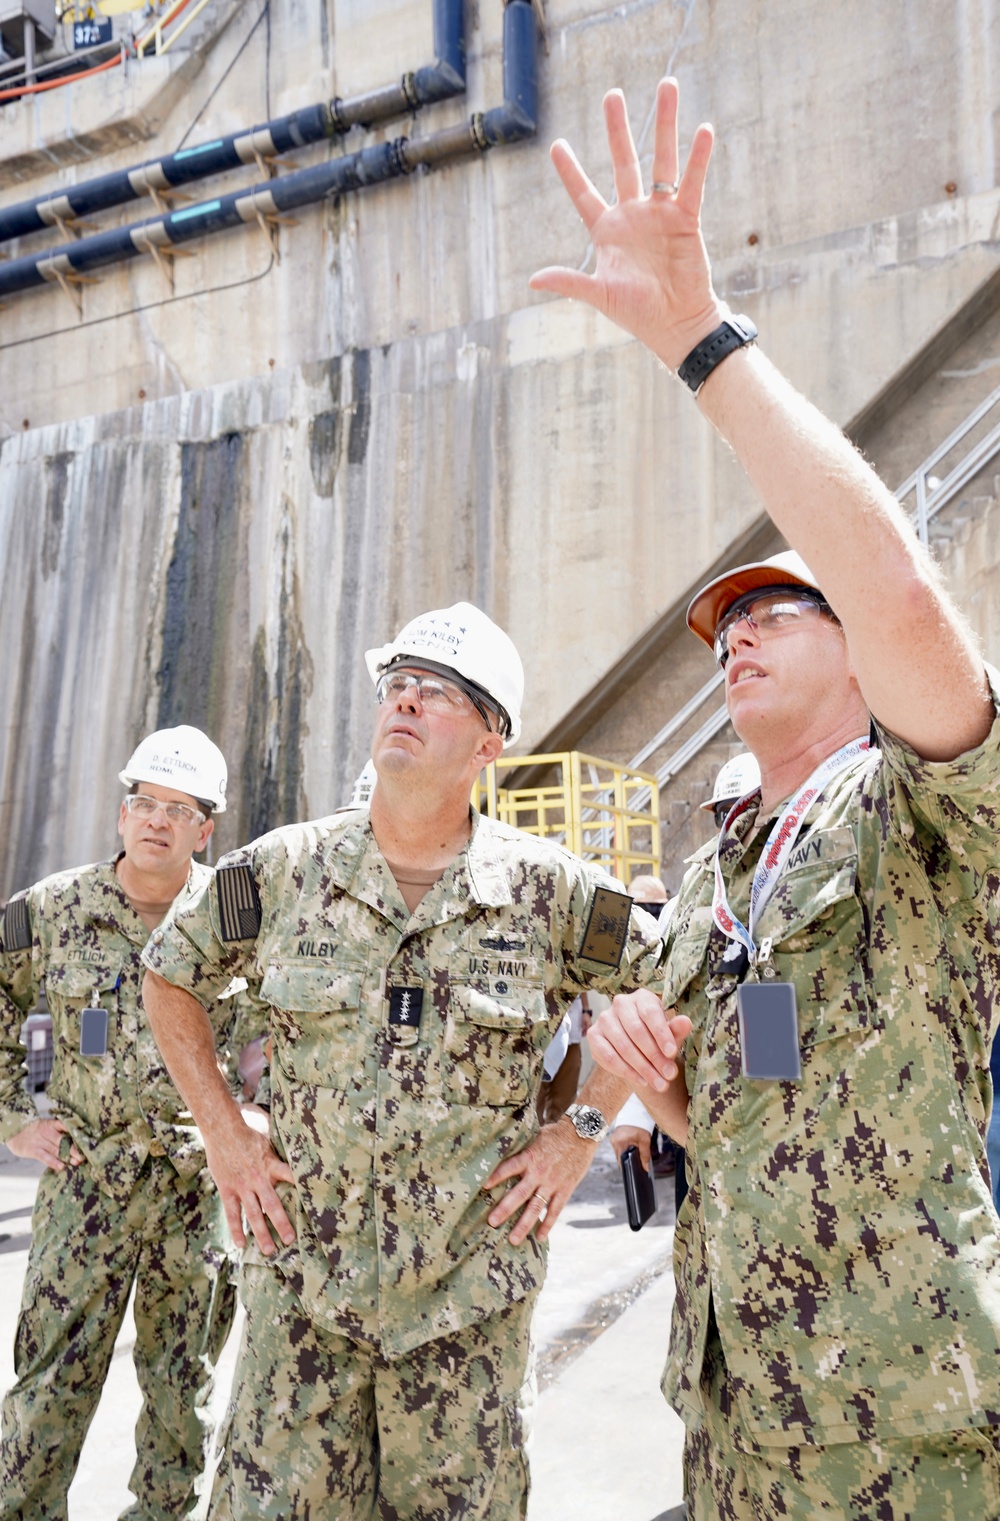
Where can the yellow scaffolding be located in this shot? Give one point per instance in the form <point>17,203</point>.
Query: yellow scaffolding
<point>599,810</point>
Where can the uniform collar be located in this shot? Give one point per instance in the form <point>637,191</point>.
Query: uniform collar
<point>125,917</point>
<point>356,865</point>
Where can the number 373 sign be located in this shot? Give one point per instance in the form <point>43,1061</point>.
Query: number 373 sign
<point>87,34</point>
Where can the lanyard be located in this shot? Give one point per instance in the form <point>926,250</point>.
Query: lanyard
<point>779,845</point>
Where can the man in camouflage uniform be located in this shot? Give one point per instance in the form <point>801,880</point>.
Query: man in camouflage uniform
<point>836,1337</point>
<point>125,1197</point>
<point>416,961</point>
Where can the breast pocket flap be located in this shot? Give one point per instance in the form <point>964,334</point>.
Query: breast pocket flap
<point>301,987</point>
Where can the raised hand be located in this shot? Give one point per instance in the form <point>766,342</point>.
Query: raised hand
<point>652,274</point>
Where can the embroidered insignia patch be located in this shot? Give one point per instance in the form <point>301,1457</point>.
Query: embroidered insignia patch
<point>502,943</point>
<point>607,927</point>
<point>405,1005</point>
<point>16,925</point>
<point>239,904</point>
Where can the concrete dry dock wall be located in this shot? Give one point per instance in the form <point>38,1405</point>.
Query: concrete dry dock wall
<point>227,489</point>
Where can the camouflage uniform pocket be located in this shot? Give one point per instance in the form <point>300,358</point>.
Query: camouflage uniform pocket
<point>71,987</point>
<point>817,921</point>
<point>318,1038</point>
<point>492,1049</point>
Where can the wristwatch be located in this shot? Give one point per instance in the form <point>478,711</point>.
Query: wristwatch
<point>730,335</point>
<point>588,1122</point>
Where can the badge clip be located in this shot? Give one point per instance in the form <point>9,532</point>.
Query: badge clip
<point>762,963</point>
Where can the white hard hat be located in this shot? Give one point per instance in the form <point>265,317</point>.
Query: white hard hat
<point>183,758</point>
<point>735,779</point>
<point>462,639</point>
<point>364,785</point>
<point>708,606</point>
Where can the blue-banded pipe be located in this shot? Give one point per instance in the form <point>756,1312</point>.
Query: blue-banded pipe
<point>509,123</point>
<point>427,86</point>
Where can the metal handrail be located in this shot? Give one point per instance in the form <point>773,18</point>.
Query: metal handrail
<point>928,504</point>
<point>679,719</point>
<point>16,68</point>
<point>159,26</point>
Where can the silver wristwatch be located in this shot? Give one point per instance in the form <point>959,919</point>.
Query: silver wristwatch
<point>588,1122</point>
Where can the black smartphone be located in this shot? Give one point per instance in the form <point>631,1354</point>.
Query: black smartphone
<point>640,1195</point>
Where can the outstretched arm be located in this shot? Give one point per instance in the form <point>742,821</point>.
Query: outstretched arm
<point>916,663</point>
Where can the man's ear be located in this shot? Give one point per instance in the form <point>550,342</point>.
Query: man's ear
<point>490,747</point>
<point>204,835</point>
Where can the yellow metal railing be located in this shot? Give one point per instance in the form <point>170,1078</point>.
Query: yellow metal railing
<point>158,31</point>
<point>599,810</point>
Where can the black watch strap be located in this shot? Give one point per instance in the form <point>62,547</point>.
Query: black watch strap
<point>720,343</point>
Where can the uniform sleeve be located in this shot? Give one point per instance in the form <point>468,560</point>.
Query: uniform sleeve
<point>211,937</point>
<point>607,946</point>
<point>19,983</point>
<point>949,810</point>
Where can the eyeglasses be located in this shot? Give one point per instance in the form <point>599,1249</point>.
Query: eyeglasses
<point>766,611</point>
<point>143,807</point>
<point>436,695</point>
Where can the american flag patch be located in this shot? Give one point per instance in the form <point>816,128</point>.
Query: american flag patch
<point>16,925</point>
<point>239,904</point>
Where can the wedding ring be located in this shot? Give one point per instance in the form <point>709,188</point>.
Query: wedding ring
<point>541,1196</point>
<point>660,187</point>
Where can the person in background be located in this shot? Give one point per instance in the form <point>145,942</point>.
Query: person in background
<point>649,893</point>
<point>737,778</point>
<point>126,1198</point>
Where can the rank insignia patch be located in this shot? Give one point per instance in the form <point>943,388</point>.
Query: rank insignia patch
<point>607,927</point>
<point>239,905</point>
<point>404,1006</point>
<point>16,925</point>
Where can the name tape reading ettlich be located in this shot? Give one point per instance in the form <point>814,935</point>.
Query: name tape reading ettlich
<point>16,925</point>
<point>607,927</point>
<point>239,903</point>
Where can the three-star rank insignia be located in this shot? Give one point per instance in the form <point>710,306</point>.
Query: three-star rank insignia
<point>607,927</point>
<point>239,903</point>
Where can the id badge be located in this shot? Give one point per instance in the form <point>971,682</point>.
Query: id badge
<point>769,1031</point>
<point>94,1032</point>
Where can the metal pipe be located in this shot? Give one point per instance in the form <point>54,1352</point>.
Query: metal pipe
<point>518,116</point>
<point>29,50</point>
<point>369,166</point>
<point>438,81</point>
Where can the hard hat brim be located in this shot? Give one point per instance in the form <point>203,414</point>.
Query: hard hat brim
<point>708,606</point>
